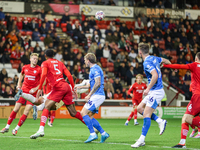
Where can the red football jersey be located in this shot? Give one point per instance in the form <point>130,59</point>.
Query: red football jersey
<point>55,70</point>
<point>31,77</point>
<point>137,90</point>
<point>47,87</point>
<point>195,77</point>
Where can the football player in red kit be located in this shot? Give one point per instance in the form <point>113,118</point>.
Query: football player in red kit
<point>53,70</point>
<point>138,87</point>
<point>31,74</point>
<point>193,108</point>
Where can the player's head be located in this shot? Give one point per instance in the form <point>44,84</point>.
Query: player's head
<point>197,58</point>
<point>143,49</point>
<point>89,59</point>
<point>49,53</point>
<point>34,58</point>
<point>139,78</point>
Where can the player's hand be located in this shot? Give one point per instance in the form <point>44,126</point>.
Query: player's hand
<point>146,92</point>
<point>87,98</point>
<point>33,90</point>
<point>75,95</point>
<point>131,95</point>
<point>18,87</point>
<point>39,92</point>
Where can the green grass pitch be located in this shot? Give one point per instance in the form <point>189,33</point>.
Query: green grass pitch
<point>70,134</point>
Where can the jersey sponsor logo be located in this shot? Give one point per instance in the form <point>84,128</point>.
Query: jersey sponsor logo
<point>30,77</point>
<point>34,71</point>
<point>190,107</point>
<point>139,91</point>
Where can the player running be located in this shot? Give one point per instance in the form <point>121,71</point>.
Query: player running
<point>94,99</point>
<point>31,74</point>
<point>193,108</point>
<point>138,87</point>
<point>53,70</point>
<point>154,92</point>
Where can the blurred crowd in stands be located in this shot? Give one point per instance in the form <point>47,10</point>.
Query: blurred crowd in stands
<point>116,47</point>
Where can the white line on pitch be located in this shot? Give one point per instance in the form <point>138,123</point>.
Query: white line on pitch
<point>79,141</point>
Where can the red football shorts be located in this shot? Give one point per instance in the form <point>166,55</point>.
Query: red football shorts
<point>193,108</point>
<point>22,100</point>
<point>136,102</point>
<point>62,91</point>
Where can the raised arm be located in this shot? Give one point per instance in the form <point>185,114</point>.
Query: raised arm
<point>177,66</point>
<point>43,76</point>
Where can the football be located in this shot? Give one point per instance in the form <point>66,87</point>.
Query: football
<point>99,15</point>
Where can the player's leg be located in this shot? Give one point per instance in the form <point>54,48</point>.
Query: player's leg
<point>40,107</point>
<point>96,125</point>
<point>146,125</point>
<point>130,116</point>
<point>51,118</point>
<point>31,98</point>
<point>22,118</point>
<point>198,135</point>
<point>44,116</point>
<point>194,130</point>
<point>135,116</point>
<point>11,117</point>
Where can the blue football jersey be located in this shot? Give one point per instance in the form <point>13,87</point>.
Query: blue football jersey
<point>150,63</point>
<point>96,71</point>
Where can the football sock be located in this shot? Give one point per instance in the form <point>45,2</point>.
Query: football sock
<point>146,125</point>
<point>184,132</point>
<point>44,117</point>
<point>29,97</point>
<point>156,118</point>
<point>22,120</point>
<point>97,125</point>
<point>49,114</point>
<point>53,113</point>
<point>88,122</point>
<point>196,121</point>
<point>78,116</point>
<point>193,127</point>
<point>11,118</point>
<point>130,116</point>
<point>198,130</point>
<point>135,114</point>
<point>40,107</point>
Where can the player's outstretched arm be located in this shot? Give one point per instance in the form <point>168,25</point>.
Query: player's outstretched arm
<point>43,76</point>
<point>177,66</point>
<point>165,61</point>
<point>19,83</point>
<point>154,79</point>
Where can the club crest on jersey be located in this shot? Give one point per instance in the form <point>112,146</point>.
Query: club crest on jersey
<point>34,71</point>
<point>154,61</point>
<point>142,87</point>
<point>96,73</point>
<point>26,70</point>
<point>198,65</point>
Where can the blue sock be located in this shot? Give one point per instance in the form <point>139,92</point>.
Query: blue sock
<point>88,122</point>
<point>146,126</point>
<point>97,125</point>
<point>154,117</point>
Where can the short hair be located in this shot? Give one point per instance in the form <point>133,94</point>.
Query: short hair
<point>91,57</point>
<point>49,53</point>
<point>34,54</point>
<point>198,55</point>
<point>144,47</point>
<point>139,75</point>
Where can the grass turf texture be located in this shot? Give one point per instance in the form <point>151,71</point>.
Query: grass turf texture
<point>71,133</point>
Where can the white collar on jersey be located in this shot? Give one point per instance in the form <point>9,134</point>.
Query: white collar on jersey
<point>146,57</point>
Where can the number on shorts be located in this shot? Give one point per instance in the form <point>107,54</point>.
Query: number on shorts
<point>90,102</point>
<point>151,99</point>
<point>56,69</point>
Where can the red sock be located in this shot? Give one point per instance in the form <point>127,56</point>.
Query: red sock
<point>184,130</point>
<point>198,129</point>
<point>53,113</point>
<point>135,114</point>
<point>44,117</point>
<point>196,121</point>
<point>22,120</point>
<point>49,115</point>
<point>130,116</point>
<point>78,116</point>
<point>11,118</point>
<point>192,126</point>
